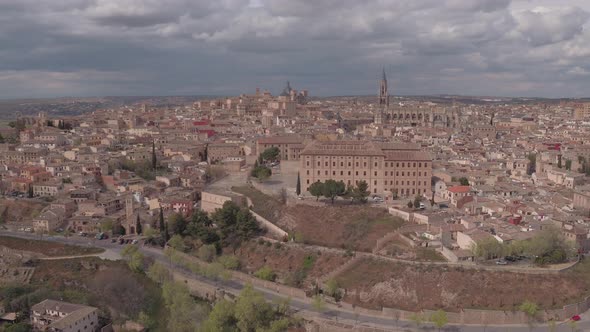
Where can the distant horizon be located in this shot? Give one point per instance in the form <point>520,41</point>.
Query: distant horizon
<point>311,96</point>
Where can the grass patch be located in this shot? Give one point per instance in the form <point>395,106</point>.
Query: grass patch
<point>265,205</point>
<point>47,248</point>
<point>429,254</point>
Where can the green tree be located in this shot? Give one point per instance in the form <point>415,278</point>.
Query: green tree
<point>464,181</point>
<point>318,303</point>
<point>221,318</point>
<point>134,257</point>
<point>410,204</point>
<point>138,227</point>
<point>568,164</point>
<point>229,262</point>
<point>265,273</point>
<point>261,173</point>
<point>207,252</point>
<point>531,310</point>
<point>159,273</point>
<point>298,185</point>
<point>161,220</point>
<point>271,154</point>
<point>439,319</point>
<point>532,163</point>
<point>154,158</point>
<point>186,313</point>
<point>360,192</point>
<point>177,223</point>
<point>332,188</point>
<point>417,200</point>
<point>316,189</point>
<point>30,192</point>
<point>417,318</point>
<point>252,312</point>
<point>177,242</point>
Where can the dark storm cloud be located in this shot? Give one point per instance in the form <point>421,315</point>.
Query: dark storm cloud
<point>332,47</point>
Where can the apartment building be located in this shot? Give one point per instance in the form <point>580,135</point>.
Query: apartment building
<point>400,168</point>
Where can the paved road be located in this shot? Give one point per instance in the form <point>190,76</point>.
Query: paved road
<point>305,307</point>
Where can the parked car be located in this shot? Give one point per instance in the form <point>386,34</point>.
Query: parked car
<point>576,318</point>
<point>134,242</point>
<point>501,262</point>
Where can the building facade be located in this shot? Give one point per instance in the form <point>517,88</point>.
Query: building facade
<point>289,146</point>
<point>402,169</point>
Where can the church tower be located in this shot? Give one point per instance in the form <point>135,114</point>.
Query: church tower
<point>383,95</point>
<point>383,101</point>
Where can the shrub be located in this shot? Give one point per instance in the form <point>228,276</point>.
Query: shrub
<point>265,273</point>
<point>207,252</point>
<point>230,262</point>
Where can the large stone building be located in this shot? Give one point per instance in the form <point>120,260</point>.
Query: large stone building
<point>400,168</point>
<point>289,146</point>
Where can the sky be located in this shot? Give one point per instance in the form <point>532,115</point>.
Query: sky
<point>530,48</point>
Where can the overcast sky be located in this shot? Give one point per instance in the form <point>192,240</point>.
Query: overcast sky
<point>330,47</point>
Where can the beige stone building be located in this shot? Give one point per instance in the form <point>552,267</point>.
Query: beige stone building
<point>219,151</point>
<point>51,315</point>
<point>400,168</point>
<point>290,147</point>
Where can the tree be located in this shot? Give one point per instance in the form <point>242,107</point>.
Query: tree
<point>531,310</point>
<point>316,189</point>
<point>161,221</point>
<point>221,318</point>
<point>261,173</point>
<point>265,273</point>
<point>271,154</point>
<point>252,312</point>
<point>568,164</point>
<point>464,181</point>
<point>30,193</point>
<point>159,273</point>
<point>182,307</point>
<point>439,319</point>
<point>318,303</point>
<point>177,223</point>
<point>177,242</point>
<point>417,318</point>
<point>154,159</point>
<point>138,228</point>
<point>298,185</point>
<point>332,188</point>
<point>410,204</point>
<point>552,325</point>
<point>361,192</point>
<point>417,200</point>
<point>134,258</point>
<point>532,163</point>
<point>166,233</point>
<point>207,252</point>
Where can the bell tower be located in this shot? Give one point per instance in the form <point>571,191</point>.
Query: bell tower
<point>383,94</point>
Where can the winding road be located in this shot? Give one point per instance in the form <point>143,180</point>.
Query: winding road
<point>303,307</point>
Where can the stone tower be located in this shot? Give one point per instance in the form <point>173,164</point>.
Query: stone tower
<point>383,101</point>
<point>383,94</point>
<point>129,222</point>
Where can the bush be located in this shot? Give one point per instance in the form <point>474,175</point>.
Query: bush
<point>265,273</point>
<point>207,252</point>
<point>229,262</point>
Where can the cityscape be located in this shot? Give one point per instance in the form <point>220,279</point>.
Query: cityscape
<point>373,189</point>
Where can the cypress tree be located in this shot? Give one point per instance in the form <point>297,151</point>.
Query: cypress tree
<point>138,229</point>
<point>161,225</point>
<point>154,160</point>
<point>298,187</point>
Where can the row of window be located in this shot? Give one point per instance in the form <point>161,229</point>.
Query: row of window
<point>327,164</point>
<point>365,173</point>
<point>397,183</point>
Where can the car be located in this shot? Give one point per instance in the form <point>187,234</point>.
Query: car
<point>300,198</point>
<point>510,259</point>
<point>121,241</point>
<point>134,242</point>
<point>501,262</point>
<point>576,318</point>
<point>28,229</point>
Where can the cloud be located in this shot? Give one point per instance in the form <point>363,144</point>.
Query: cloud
<point>332,47</point>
